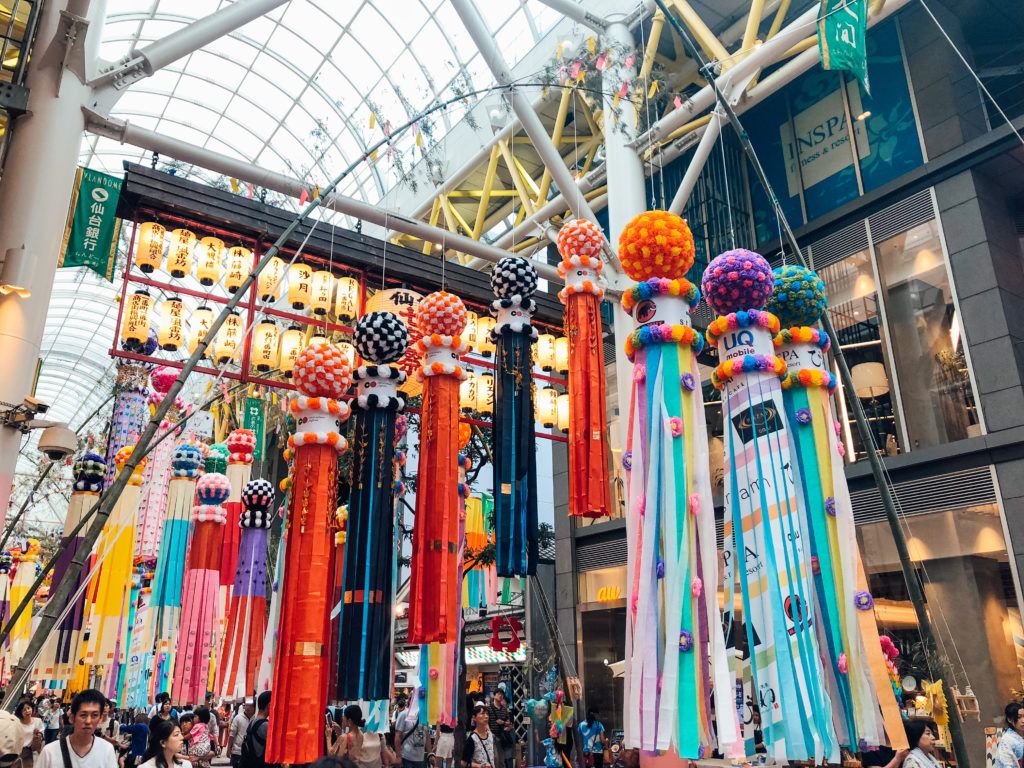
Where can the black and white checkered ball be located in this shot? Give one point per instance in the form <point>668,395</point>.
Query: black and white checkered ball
<point>257,498</point>
<point>513,276</point>
<point>381,337</point>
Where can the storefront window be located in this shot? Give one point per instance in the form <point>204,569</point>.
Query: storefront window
<point>604,644</point>
<point>937,401</point>
<point>855,315</point>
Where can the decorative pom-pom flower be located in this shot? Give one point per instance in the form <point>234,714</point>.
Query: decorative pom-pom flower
<point>381,337</point>
<point>322,370</point>
<point>514,276</point>
<point>685,641</point>
<point>162,378</point>
<point>627,460</point>
<point>863,601</point>
<point>688,381</point>
<point>888,647</point>
<point>675,426</point>
<point>639,373</point>
<point>257,498</point>
<point>696,586</point>
<point>844,665</point>
<point>241,441</point>
<point>803,415</point>
<point>433,673</point>
<point>830,506</point>
<point>656,244</point>
<point>186,460</point>
<point>815,565</point>
<point>580,237</point>
<point>694,503</point>
<point>465,433</point>
<point>798,297</point>
<point>442,313</point>
<point>659,569</point>
<point>735,280</point>
<point>213,489</point>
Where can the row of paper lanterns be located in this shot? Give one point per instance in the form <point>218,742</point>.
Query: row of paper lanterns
<point>551,407</point>
<point>211,260</point>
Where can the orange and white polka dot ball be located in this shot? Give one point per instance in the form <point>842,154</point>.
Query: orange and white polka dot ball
<point>442,313</point>
<point>323,370</point>
<point>580,238</point>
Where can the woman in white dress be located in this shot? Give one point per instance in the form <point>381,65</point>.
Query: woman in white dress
<point>165,746</point>
<point>32,726</point>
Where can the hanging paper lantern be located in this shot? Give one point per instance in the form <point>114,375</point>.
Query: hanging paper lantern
<point>346,300</point>
<point>229,339</point>
<point>300,285</point>
<point>291,345</point>
<point>319,338</point>
<point>467,392</point>
<point>471,333</point>
<point>323,285</point>
<point>209,255</point>
<point>562,412</point>
<point>269,283</point>
<point>135,326</point>
<point>485,393</point>
<point>547,407</point>
<point>348,352</point>
<point>562,355</point>
<point>149,246</point>
<point>179,255</point>
<point>264,346</point>
<point>238,267</point>
<point>201,321</point>
<point>170,332</point>
<point>484,342</point>
<point>545,357</point>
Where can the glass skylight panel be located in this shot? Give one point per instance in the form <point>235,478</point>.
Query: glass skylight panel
<point>317,30</point>
<point>356,64</point>
<point>373,32</point>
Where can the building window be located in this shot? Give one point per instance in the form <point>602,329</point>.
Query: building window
<point>938,404</point>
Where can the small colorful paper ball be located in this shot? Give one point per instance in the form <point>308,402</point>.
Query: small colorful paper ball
<point>322,370</point>
<point>241,441</point>
<point>162,378</point>
<point>221,449</point>
<point>580,237</point>
<point>442,313</point>
<point>737,280</point>
<point>514,276</point>
<point>187,457</point>
<point>799,296</point>
<point>213,488</point>
<point>465,433</point>
<point>656,244</point>
<point>258,494</point>
<point>215,462</point>
<point>90,468</point>
<point>381,337</point>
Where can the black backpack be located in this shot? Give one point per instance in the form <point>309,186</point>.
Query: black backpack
<point>254,746</point>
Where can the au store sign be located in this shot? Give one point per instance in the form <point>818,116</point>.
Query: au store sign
<point>817,143</point>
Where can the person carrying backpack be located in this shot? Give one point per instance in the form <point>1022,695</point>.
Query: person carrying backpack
<point>254,747</point>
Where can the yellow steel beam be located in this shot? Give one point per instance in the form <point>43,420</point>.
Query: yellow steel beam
<point>556,138</point>
<point>485,198</point>
<point>705,37</point>
<point>517,180</point>
<point>803,45</point>
<point>657,24</point>
<point>468,230</point>
<point>875,6</point>
<point>435,211</point>
<point>591,153</point>
<point>753,23</point>
<point>565,139</point>
<point>690,126</point>
<point>526,176</point>
<point>780,16</point>
<point>448,210</point>
<point>478,193</point>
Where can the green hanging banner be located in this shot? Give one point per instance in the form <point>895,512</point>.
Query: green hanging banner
<point>842,37</point>
<point>253,419</point>
<point>92,231</point>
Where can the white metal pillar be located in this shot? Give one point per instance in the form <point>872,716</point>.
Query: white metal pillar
<point>35,193</point>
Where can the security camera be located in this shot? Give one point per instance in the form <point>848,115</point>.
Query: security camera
<point>58,442</point>
<point>35,405</point>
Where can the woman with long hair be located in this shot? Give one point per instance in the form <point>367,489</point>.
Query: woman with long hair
<point>165,747</point>
<point>352,744</point>
<point>33,731</point>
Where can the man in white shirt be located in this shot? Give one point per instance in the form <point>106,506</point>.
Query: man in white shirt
<point>236,734</point>
<point>81,749</point>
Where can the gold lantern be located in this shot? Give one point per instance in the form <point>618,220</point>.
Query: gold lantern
<point>270,280</point>
<point>484,344</point>
<point>467,392</point>
<point>547,406</point>
<point>135,327</point>
<point>323,284</point>
<point>546,351</point>
<point>239,265</point>
<point>346,302</point>
<point>471,332</point>
<point>202,319</point>
<point>229,339</point>
<point>318,337</point>
<point>300,284</point>
<point>149,248</point>
<point>348,352</point>
<point>562,355</point>
<point>291,345</point>
<point>209,254</point>
<point>563,413</point>
<point>264,346</point>
<point>179,256</point>
<point>171,331</point>
<point>485,393</point>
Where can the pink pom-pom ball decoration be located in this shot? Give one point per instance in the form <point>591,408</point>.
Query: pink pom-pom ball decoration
<point>213,489</point>
<point>737,280</point>
<point>441,313</point>
<point>322,370</point>
<point>162,378</point>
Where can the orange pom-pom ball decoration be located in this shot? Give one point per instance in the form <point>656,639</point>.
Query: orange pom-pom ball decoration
<point>580,238</point>
<point>465,432</point>
<point>322,370</point>
<point>656,244</point>
<point>441,313</point>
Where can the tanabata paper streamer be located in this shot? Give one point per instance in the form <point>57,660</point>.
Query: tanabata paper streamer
<point>322,375</point>
<point>26,559</point>
<point>240,443</point>
<point>6,571</point>
<point>851,655</point>
<point>131,407</point>
<point>199,591</point>
<point>170,565</point>
<point>675,648</point>
<point>479,581</point>
<point>365,639</point>
<point>764,536</point>
<point>514,281</point>
<point>265,672</point>
<point>139,667</point>
<point>62,652</point>
<point>579,243</point>
<point>433,598</point>
<point>247,617</point>
<point>113,582</point>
